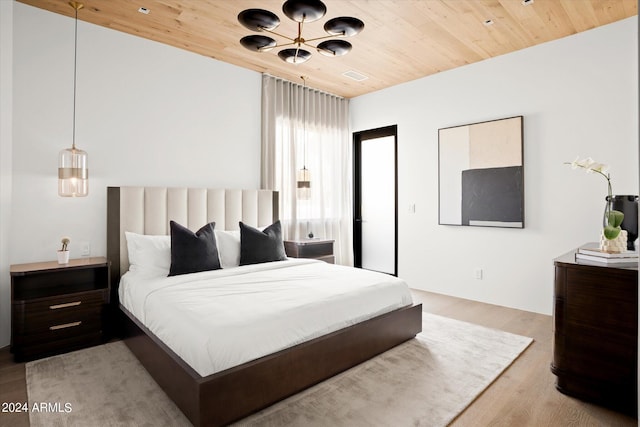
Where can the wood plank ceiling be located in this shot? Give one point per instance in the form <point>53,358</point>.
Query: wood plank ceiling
<point>402,40</point>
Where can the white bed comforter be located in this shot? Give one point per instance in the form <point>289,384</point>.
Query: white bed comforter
<point>218,319</point>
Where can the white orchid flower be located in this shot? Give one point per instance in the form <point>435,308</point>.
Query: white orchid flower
<point>574,164</point>
<point>589,165</point>
<point>599,167</point>
<point>586,163</point>
<point>612,217</point>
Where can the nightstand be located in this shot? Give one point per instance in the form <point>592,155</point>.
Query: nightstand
<point>56,308</point>
<point>321,249</point>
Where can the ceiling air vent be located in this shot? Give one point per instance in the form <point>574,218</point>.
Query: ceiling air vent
<point>355,75</point>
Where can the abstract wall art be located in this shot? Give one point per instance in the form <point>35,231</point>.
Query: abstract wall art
<point>480,174</point>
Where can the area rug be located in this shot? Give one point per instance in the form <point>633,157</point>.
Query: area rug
<point>426,381</point>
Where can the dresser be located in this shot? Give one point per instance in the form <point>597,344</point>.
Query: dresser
<point>321,249</point>
<point>56,308</point>
<point>595,326</point>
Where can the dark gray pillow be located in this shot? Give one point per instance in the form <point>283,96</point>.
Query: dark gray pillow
<point>193,252</point>
<point>261,246</point>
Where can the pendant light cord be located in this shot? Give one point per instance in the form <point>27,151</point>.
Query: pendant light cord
<point>75,66</point>
<point>304,123</point>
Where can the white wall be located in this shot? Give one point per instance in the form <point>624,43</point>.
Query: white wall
<point>147,114</point>
<point>578,96</point>
<point>6,129</point>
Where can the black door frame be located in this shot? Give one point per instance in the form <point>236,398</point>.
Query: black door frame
<point>358,138</point>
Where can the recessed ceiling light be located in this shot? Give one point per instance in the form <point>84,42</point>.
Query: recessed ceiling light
<point>144,10</point>
<point>527,2</point>
<point>355,75</point>
<point>488,22</point>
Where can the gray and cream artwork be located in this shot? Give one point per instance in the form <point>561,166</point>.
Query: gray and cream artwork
<point>480,173</point>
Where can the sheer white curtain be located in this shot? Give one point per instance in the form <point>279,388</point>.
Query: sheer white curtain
<point>322,143</point>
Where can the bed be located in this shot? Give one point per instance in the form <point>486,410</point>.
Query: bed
<point>226,392</point>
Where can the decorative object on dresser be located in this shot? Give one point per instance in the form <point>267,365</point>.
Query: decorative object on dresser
<point>617,244</point>
<point>593,248</point>
<point>612,239</point>
<point>55,309</point>
<point>595,350</point>
<point>591,252</point>
<point>628,205</point>
<point>321,249</point>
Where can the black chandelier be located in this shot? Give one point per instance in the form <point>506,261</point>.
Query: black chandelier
<point>301,11</point>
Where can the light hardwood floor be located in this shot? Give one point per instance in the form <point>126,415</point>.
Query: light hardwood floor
<point>524,395</point>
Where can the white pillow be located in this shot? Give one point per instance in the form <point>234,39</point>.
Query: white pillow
<point>148,250</point>
<point>228,243</point>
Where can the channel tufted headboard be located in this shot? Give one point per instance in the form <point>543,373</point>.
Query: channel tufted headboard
<point>148,210</point>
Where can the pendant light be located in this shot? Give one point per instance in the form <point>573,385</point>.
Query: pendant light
<point>303,176</point>
<point>73,175</point>
<point>302,12</point>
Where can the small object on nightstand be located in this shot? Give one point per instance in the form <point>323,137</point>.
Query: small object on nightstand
<point>63,257</point>
<point>321,249</point>
<point>63,254</point>
<point>58,308</point>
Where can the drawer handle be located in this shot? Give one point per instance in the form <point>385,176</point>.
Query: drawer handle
<point>64,326</point>
<point>65,305</point>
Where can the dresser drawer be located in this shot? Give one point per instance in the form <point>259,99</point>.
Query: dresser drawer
<point>600,300</point>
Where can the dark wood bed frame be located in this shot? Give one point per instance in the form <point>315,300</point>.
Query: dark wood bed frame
<point>235,393</point>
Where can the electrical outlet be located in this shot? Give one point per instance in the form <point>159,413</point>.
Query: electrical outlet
<point>85,249</point>
<point>479,273</point>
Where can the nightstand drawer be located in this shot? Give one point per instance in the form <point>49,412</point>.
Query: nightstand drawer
<point>36,316</point>
<point>83,323</point>
<point>315,250</point>
<point>44,347</point>
<point>319,249</point>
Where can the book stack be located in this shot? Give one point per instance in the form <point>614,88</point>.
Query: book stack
<point>592,254</point>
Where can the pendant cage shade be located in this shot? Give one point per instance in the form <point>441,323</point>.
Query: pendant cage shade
<point>302,12</point>
<point>294,56</point>
<point>258,19</point>
<point>303,183</point>
<point>73,174</point>
<point>258,43</point>
<point>344,26</point>
<point>334,47</point>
